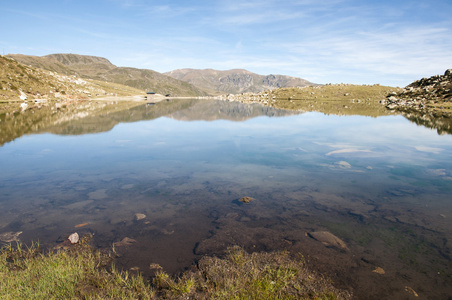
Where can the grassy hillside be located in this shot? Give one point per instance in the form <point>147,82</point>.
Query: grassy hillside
<point>151,81</point>
<point>99,68</point>
<point>42,63</point>
<point>20,82</point>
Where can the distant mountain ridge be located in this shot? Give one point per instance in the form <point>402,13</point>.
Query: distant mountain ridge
<point>182,82</point>
<point>236,81</point>
<point>99,68</point>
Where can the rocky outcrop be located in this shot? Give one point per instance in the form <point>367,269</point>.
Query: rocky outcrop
<point>432,94</point>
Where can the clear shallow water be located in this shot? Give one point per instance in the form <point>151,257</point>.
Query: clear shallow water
<point>382,185</point>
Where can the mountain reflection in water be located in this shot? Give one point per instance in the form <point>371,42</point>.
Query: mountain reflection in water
<point>121,170</point>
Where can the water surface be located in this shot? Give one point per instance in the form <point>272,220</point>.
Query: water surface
<point>381,184</point>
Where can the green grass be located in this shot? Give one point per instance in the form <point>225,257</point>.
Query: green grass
<point>76,273</point>
<point>81,272</point>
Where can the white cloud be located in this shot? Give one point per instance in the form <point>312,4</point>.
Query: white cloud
<point>401,52</point>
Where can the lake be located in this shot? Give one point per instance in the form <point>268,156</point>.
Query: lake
<point>169,177</point>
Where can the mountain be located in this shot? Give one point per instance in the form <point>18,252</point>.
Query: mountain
<point>183,82</point>
<point>100,68</point>
<point>235,81</point>
<point>22,81</point>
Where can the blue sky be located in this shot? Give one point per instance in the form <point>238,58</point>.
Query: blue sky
<point>331,41</point>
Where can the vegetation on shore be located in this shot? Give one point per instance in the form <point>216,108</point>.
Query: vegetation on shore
<point>81,272</point>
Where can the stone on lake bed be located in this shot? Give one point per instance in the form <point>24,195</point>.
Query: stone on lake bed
<point>328,239</point>
<point>125,242</point>
<point>379,270</point>
<point>246,199</point>
<point>411,291</point>
<point>9,237</point>
<point>139,216</point>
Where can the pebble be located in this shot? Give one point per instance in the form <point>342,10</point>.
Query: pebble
<point>74,238</point>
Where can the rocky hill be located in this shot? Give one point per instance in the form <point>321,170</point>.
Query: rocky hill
<point>22,82</point>
<point>235,81</point>
<point>432,95</point>
<point>100,68</point>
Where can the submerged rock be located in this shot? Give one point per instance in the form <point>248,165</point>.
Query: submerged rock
<point>139,216</point>
<point>328,239</point>
<point>81,225</point>
<point>125,242</point>
<point>246,199</point>
<point>411,291</point>
<point>379,270</point>
<point>9,237</point>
